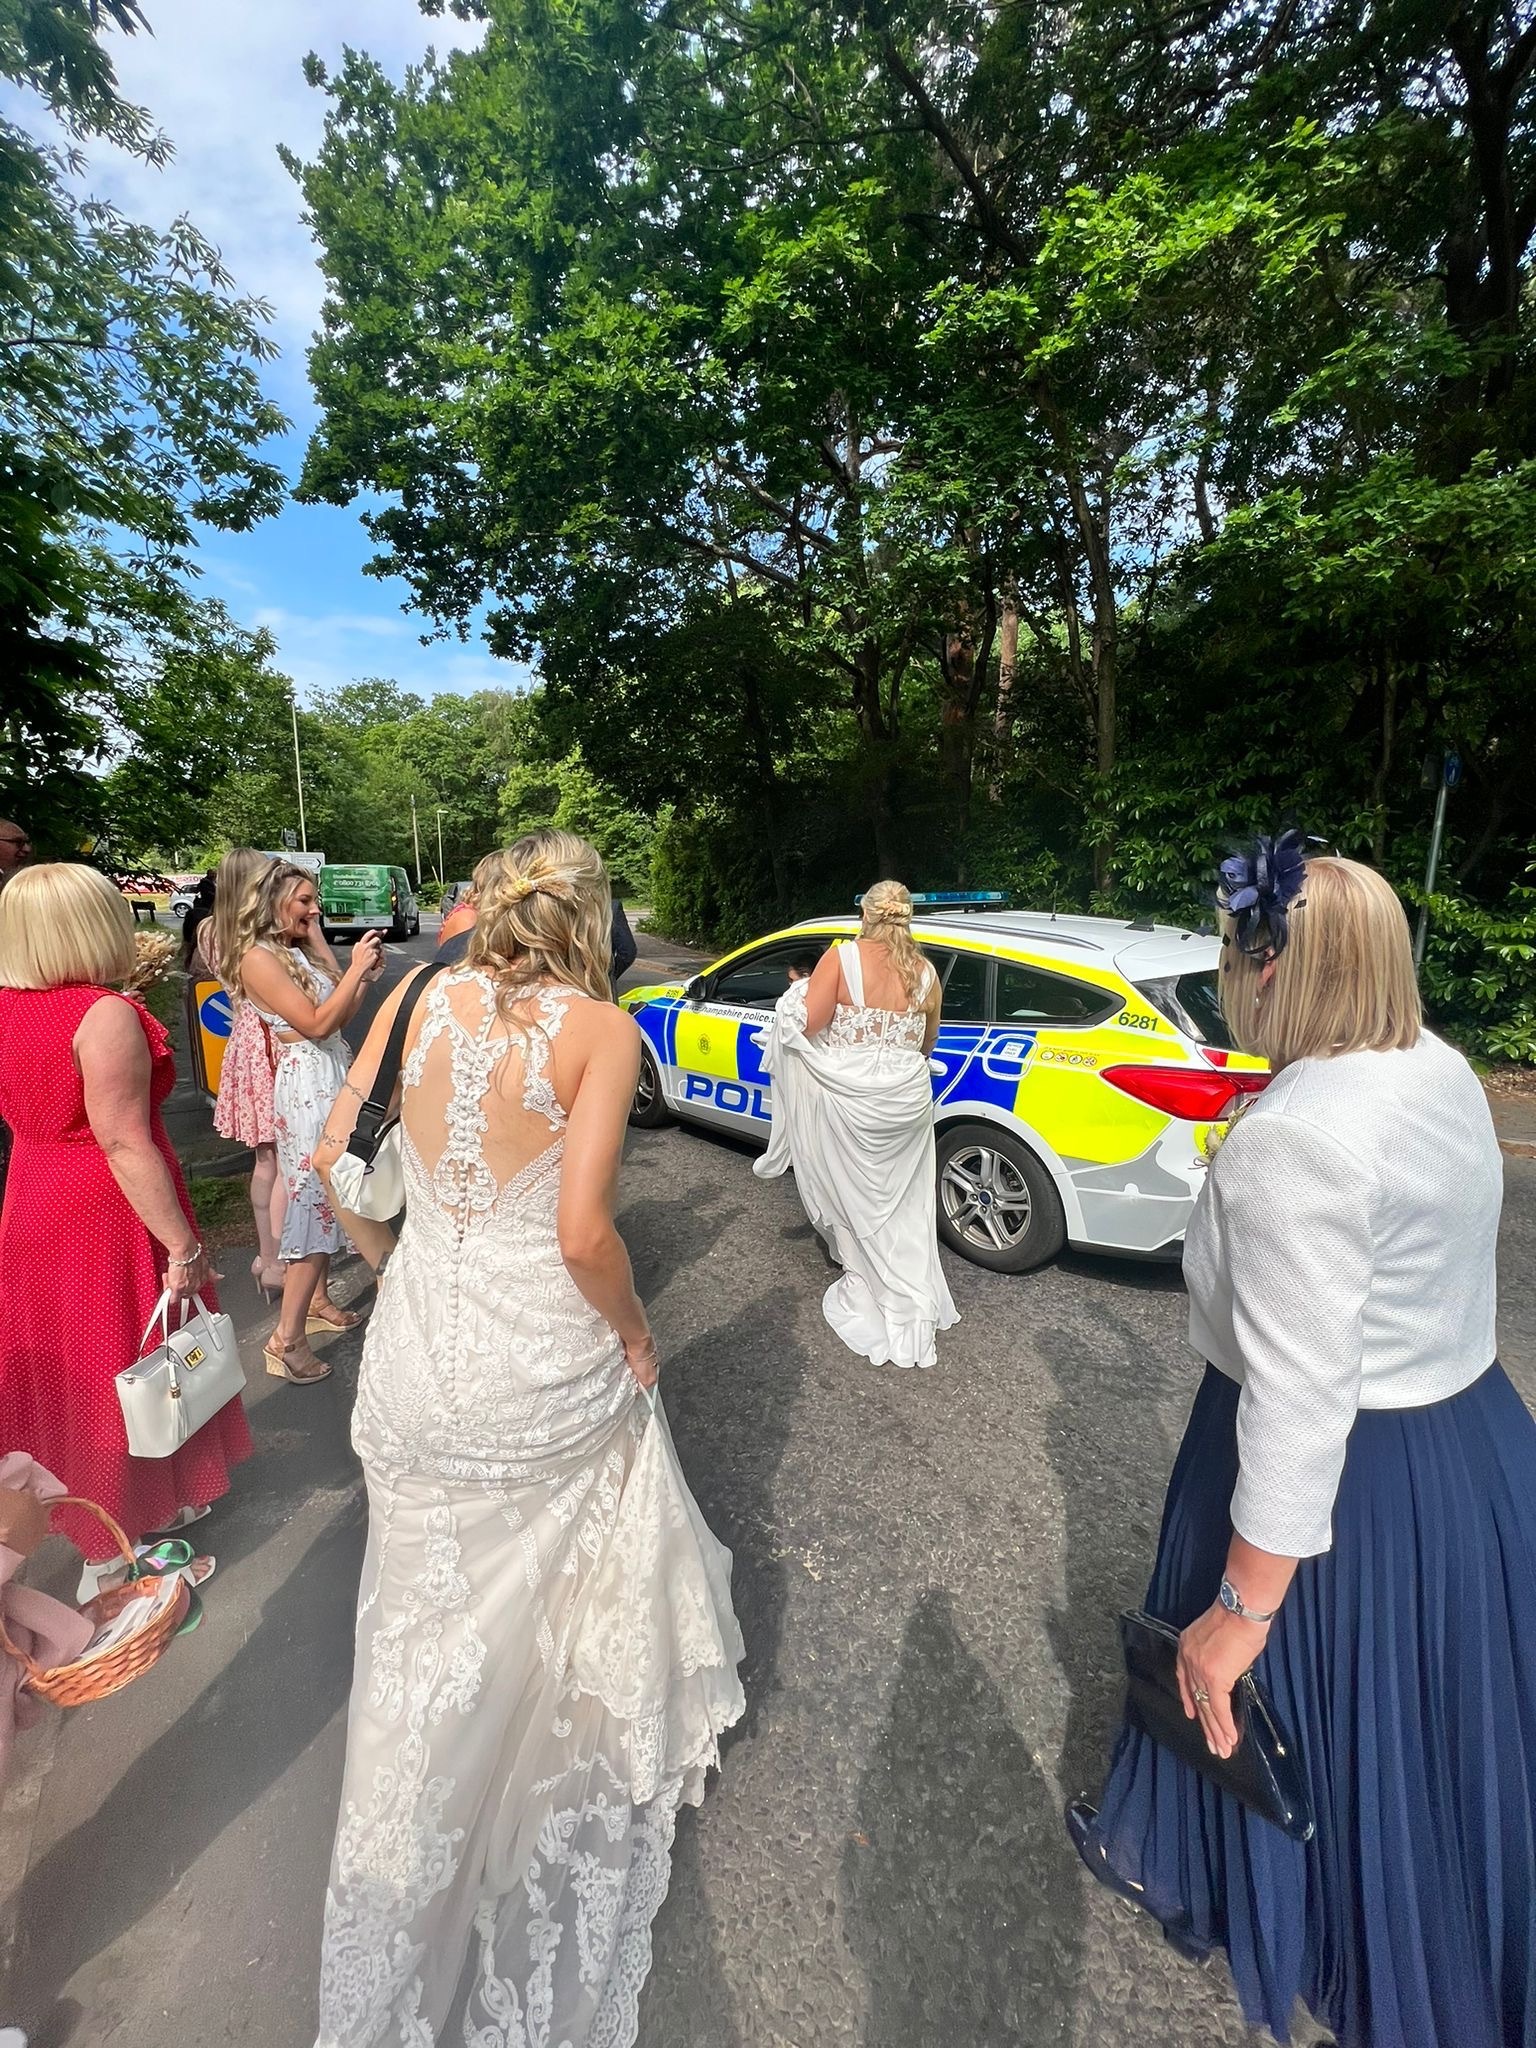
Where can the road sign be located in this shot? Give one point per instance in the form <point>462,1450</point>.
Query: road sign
<point>290,838</point>
<point>1452,770</point>
<point>210,1019</point>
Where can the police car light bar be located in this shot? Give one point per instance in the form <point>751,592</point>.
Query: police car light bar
<point>956,899</point>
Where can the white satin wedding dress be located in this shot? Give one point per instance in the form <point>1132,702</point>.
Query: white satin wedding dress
<point>852,1114</point>
<point>546,1649</point>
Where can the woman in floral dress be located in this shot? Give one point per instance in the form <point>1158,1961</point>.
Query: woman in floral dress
<point>275,962</point>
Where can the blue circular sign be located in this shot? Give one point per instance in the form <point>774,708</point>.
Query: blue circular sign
<point>216,1014</point>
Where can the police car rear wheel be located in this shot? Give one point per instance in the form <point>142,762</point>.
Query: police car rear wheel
<point>997,1205</point>
<point>649,1111</point>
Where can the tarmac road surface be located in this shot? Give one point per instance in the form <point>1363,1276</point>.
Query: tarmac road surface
<point>928,1570</point>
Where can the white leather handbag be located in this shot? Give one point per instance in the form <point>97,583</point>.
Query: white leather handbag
<point>192,1373</point>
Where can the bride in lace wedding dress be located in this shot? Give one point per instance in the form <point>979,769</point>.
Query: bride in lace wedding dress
<point>546,1649</point>
<point>853,1115</point>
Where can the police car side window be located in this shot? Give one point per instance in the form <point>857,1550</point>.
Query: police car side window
<point>759,982</point>
<point>1029,995</point>
<point>964,976</point>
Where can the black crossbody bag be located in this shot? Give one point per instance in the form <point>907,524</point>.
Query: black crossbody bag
<point>1263,1772</point>
<point>369,1178</point>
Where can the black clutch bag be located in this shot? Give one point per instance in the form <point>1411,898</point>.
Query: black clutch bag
<point>1263,1772</point>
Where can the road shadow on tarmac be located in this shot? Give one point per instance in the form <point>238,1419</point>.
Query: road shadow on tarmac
<point>960,1891</point>
<point>1112,1461</point>
<point>238,1734</point>
<point>731,1396</point>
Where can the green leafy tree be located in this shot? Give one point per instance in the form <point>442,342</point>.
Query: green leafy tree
<point>131,411</point>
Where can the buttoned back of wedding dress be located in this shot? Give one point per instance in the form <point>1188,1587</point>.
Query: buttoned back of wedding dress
<point>546,1649</point>
<point>489,1360</point>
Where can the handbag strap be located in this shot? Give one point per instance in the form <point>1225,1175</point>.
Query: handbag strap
<point>371,1117</point>
<point>160,1314</point>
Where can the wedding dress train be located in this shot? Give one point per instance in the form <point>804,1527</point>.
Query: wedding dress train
<point>852,1113</point>
<point>546,1648</point>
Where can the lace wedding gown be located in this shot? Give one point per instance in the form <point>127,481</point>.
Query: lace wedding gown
<point>853,1115</point>
<point>546,1649</point>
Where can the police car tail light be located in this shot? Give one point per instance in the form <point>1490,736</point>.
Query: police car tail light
<point>1196,1095</point>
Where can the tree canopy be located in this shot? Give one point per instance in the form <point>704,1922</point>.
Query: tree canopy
<point>991,441</point>
<point>131,412</point>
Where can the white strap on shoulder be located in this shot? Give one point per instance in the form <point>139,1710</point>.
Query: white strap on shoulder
<point>853,971</point>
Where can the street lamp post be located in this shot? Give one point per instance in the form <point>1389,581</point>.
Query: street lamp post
<point>1450,776</point>
<point>298,769</point>
<point>441,873</point>
<point>416,838</point>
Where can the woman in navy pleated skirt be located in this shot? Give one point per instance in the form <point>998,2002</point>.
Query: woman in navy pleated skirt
<point>1352,1511</point>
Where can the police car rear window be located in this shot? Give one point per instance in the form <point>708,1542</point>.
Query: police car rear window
<point>1029,995</point>
<point>1192,1004</point>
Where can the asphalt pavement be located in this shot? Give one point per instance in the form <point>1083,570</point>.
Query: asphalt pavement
<point>928,1569</point>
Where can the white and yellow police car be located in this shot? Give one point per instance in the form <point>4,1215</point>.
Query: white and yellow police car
<point>1081,1065</point>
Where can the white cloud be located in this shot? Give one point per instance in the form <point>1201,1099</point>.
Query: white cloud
<point>289,625</point>
<point>322,652</point>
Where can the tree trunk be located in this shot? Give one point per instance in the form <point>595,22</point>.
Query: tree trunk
<point>770,805</point>
<point>1007,678</point>
<point>1105,664</point>
<point>1387,672</point>
<point>956,735</point>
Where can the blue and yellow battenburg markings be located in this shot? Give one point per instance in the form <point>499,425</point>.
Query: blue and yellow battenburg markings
<point>721,1062</point>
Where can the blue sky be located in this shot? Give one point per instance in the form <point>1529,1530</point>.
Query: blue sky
<point>224,80</point>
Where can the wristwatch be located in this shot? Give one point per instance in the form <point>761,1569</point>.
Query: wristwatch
<point>1232,1600</point>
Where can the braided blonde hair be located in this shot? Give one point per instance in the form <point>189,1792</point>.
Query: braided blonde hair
<point>237,874</point>
<point>258,922</point>
<point>887,914</point>
<point>544,912</point>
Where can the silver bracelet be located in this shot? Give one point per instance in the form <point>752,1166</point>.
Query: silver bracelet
<point>196,1254</point>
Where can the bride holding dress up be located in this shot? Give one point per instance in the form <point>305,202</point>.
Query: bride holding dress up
<point>546,1648</point>
<point>853,1115</point>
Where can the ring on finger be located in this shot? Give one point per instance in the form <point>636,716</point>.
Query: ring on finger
<point>1202,1697</point>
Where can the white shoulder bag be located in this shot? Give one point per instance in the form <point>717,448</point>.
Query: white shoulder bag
<point>368,1179</point>
<point>191,1374</point>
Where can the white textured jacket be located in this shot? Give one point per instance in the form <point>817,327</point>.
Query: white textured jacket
<point>1342,1256</point>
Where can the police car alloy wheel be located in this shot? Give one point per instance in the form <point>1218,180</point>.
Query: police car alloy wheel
<point>997,1206</point>
<point>649,1110</point>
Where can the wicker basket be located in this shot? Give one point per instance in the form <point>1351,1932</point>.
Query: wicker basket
<point>107,1671</point>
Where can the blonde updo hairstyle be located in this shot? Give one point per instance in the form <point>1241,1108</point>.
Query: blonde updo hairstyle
<point>236,876</point>
<point>544,913</point>
<point>1344,980</point>
<point>259,922</point>
<point>887,914</point>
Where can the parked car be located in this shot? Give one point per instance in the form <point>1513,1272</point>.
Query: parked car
<point>454,895</point>
<point>141,882</point>
<point>367,898</point>
<point>1082,1063</point>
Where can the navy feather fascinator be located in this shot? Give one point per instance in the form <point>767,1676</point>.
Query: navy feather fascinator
<point>1259,888</point>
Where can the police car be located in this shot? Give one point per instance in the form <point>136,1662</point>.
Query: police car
<point>1081,1065</point>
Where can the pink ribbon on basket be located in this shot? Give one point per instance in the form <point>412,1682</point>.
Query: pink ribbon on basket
<point>46,1629</point>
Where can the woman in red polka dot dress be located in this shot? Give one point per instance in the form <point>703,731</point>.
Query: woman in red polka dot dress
<point>96,1218</point>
